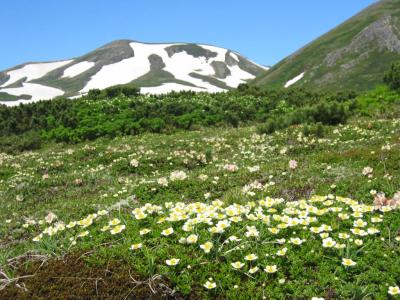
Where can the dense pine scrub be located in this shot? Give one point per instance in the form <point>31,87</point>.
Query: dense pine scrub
<point>115,112</point>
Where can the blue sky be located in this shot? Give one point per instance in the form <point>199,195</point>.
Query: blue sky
<point>263,30</point>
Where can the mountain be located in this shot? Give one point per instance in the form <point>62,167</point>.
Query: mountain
<point>353,56</point>
<point>156,68</point>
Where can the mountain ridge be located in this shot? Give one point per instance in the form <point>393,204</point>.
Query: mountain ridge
<point>353,55</point>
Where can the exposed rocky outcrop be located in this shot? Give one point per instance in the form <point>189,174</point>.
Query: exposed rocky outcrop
<point>382,35</point>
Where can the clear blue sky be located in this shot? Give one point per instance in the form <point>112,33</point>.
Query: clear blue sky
<point>263,30</point>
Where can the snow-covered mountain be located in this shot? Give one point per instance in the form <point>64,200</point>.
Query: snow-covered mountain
<point>155,68</point>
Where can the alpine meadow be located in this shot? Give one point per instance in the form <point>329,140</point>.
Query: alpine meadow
<point>189,171</point>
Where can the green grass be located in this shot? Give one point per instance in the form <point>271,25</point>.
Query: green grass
<point>76,181</point>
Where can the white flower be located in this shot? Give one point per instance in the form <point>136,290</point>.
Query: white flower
<point>367,171</point>
<point>281,252</point>
<point>271,269</point>
<point>162,181</point>
<point>358,242</point>
<point>136,246</point>
<point>178,175</point>
<point>203,177</point>
<point>114,222</point>
<point>82,234</point>
<point>172,261</point>
<point>251,257</point>
<point>359,223</point>
<point>210,285</point>
<point>394,290</point>
<point>50,218</point>
<point>328,243</point>
<point>117,229</point>
<point>206,247</point>
<point>134,163</point>
<point>253,169</point>
<point>252,231</point>
<point>233,238</point>
<point>168,231</point>
<point>37,238</point>
<point>296,241</point>
<point>348,262</point>
<point>231,168</point>
<point>253,270</point>
<point>292,164</point>
<point>237,265</point>
<point>105,228</point>
<point>71,224</point>
<point>191,239</point>
<point>102,212</point>
<point>144,231</point>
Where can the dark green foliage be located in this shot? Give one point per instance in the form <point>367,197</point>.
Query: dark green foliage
<point>392,77</point>
<point>325,112</point>
<point>94,94</point>
<point>17,143</point>
<point>119,110</point>
<point>113,92</point>
<point>317,130</point>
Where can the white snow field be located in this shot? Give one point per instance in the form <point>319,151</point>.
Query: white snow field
<point>38,92</point>
<point>237,76</point>
<point>77,69</point>
<point>180,65</point>
<point>294,80</point>
<point>33,71</point>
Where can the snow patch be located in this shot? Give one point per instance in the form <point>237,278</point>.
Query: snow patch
<point>34,71</point>
<point>294,80</point>
<point>237,76</point>
<point>77,69</point>
<point>234,56</point>
<point>180,65</point>
<point>38,92</point>
<point>126,70</point>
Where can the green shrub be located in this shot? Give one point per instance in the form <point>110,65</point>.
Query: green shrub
<point>317,130</point>
<point>392,77</point>
<point>17,143</point>
<point>120,110</point>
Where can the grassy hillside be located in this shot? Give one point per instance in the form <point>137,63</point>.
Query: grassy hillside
<point>209,213</point>
<point>352,56</point>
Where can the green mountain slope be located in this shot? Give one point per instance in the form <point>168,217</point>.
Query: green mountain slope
<point>354,55</point>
